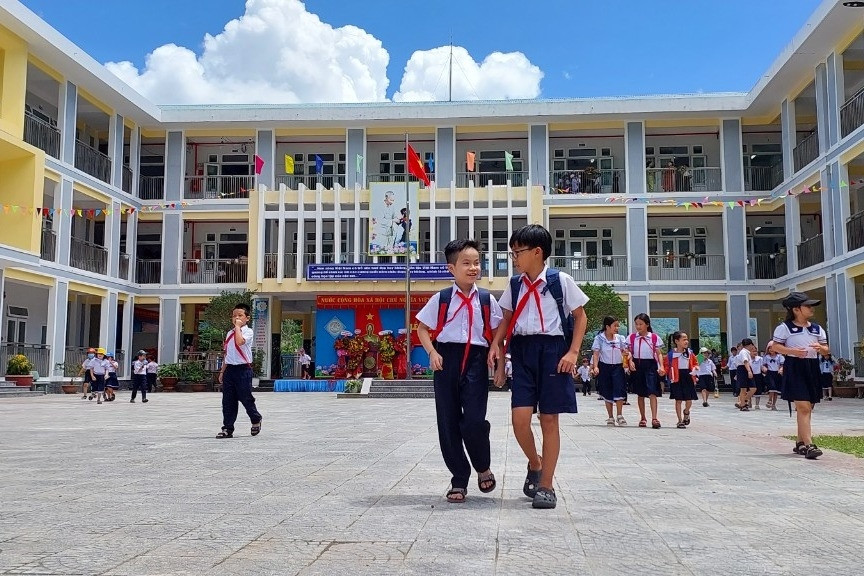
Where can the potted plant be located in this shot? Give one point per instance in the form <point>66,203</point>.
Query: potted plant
<point>18,370</point>
<point>168,376</point>
<point>193,373</point>
<point>844,385</point>
<point>257,366</point>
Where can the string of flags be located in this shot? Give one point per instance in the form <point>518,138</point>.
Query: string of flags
<point>85,212</point>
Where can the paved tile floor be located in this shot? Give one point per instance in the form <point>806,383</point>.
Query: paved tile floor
<point>353,487</point>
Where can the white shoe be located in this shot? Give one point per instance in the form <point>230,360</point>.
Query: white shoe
<point>610,422</point>
<point>756,407</point>
<point>621,421</point>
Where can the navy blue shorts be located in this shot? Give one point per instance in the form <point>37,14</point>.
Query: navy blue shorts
<point>611,383</point>
<point>706,382</point>
<point>536,380</point>
<point>773,381</point>
<point>645,381</point>
<point>743,378</point>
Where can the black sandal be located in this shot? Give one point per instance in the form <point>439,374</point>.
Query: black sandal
<point>532,482</point>
<point>489,480</point>
<point>454,492</point>
<point>256,428</point>
<point>686,417</point>
<point>225,434</point>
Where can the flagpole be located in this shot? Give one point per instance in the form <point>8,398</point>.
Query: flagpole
<point>408,215</point>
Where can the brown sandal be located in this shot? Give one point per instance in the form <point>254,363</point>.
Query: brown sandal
<point>456,495</point>
<point>488,479</point>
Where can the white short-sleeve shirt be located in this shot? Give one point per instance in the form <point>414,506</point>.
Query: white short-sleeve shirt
<point>644,347</point>
<point>152,367</point>
<point>792,336</point>
<point>610,350</point>
<point>232,355</point>
<point>528,323</point>
<point>773,363</point>
<point>707,367</point>
<point>584,372</point>
<point>455,330</point>
<point>139,366</point>
<point>744,356</point>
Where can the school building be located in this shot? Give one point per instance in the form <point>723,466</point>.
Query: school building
<point>120,219</point>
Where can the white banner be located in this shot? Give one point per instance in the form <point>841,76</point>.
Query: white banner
<point>393,226</point>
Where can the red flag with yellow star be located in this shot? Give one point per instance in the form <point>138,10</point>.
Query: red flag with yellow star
<point>415,166</point>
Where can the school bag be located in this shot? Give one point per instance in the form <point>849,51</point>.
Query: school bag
<point>444,298</point>
<point>553,286</point>
<point>654,341</point>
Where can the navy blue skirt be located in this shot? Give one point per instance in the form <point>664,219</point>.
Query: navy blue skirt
<point>773,381</point>
<point>802,380</point>
<point>611,383</point>
<point>645,381</point>
<point>743,378</point>
<point>684,389</point>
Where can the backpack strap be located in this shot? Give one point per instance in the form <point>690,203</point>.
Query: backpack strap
<point>444,298</point>
<point>553,285</point>
<point>515,286</point>
<point>486,312</point>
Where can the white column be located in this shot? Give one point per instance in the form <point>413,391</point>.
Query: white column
<point>337,223</point>
<point>128,327</point>
<point>472,197</point>
<point>58,301</point>
<point>280,238</point>
<point>135,160</point>
<point>357,221</point>
<point>319,223</point>
<point>108,321</point>
<point>112,238</point>
<point>301,231</point>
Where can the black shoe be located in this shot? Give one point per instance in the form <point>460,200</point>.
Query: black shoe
<point>830,398</point>
<point>132,401</point>
<point>799,448</point>
<point>704,404</point>
<point>681,425</point>
<point>145,400</point>
<point>811,452</point>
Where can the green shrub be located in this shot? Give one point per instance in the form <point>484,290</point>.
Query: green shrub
<point>19,365</point>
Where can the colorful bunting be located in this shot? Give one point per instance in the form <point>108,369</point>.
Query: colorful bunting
<point>469,161</point>
<point>289,164</point>
<point>259,164</point>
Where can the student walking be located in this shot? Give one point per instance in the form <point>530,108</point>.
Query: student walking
<point>236,374</point>
<point>646,367</point>
<point>111,382</point>
<point>98,367</point>
<point>584,374</point>
<point>464,317</point>
<point>152,371</point>
<point>773,364</point>
<point>801,342</point>
<point>607,364</point>
<point>744,374</point>
<point>682,368</point>
<point>707,371</point>
<point>541,308</point>
<point>826,367</point>
<point>139,376</point>
<point>305,363</point>
<point>758,369</point>
<point>87,386</point>
<point>732,368</point>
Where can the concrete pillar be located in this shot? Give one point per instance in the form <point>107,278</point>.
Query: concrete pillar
<point>829,226</point>
<point>734,221</point>
<point>637,242</point>
<point>265,147</point>
<point>132,244</point>
<point>115,149</point>
<point>172,247</point>
<point>67,120</point>
<point>789,139</point>
<point>58,302</point>
<point>355,145</point>
<point>108,321</point>
<point>112,238</point>
<point>731,161</point>
<point>634,143</point>
<point>127,331</point>
<point>836,95</point>
<point>169,329</point>
<point>738,317</point>
<point>445,157</point>
<point>538,155</point>
<point>822,107</point>
<point>639,304</point>
<point>175,165</point>
<point>793,232</point>
<point>63,202</point>
<point>135,159</point>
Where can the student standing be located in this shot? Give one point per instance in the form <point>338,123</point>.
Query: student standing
<point>607,365</point>
<point>826,367</point>
<point>464,317</point>
<point>801,342</point>
<point>538,306</point>
<point>707,381</point>
<point>139,376</point>
<point>305,362</point>
<point>682,368</point>
<point>98,368</point>
<point>758,379</point>
<point>646,367</point>
<point>584,374</point>
<point>732,368</point>
<point>236,374</point>
<point>773,364</point>
<point>85,371</point>
<point>744,374</point>
<point>152,371</point>
<point>111,382</point>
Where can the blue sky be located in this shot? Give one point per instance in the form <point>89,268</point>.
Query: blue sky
<point>583,49</point>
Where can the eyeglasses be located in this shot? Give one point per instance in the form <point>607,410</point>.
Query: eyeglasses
<point>515,253</point>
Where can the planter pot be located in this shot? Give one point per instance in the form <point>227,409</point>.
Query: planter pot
<point>168,384</point>
<point>198,386</point>
<point>20,380</point>
<point>845,392</point>
<point>71,388</point>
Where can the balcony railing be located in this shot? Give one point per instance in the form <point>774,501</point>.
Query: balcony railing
<point>293,181</point>
<point>213,187</point>
<point>151,187</point>
<point>687,267</point>
<point>92,162</point>
<point>806,151</point>
<point>41,135</point>
<point>763,177</point>
<point>587,181</point>
<point>767,266</point>
<point>38,354</point>
<point>852,114</point>
<point>123,270</point>
<point>393,178</point>
<point>811,252</point>
<point>515,177</point>
<point>126,185</point>
<point>48,249</point>
<point>88,256</point>
<point>592,268</point>
<point>855,233</point>
<point>224,271</point>
<point>681,179</point>
<point>75,355</point>
<point>148,271</point>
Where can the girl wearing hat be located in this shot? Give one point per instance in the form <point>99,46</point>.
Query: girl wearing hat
<point>707,375</point>
<point>801,342</point>
<point>111,383</point>
<point>152,370</point>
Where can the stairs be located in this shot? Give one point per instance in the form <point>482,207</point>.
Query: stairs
<point>401,389</point>
<point>10,390</point>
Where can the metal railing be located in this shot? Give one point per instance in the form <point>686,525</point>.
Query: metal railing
<point>811,252</point>
<point>806,151</point>
<point>293,181</point>
<point>148,271</point>
<point>88,256</point>
<point>123,270</point>
<point>215,187</point>
<point>151,187</point>
<point>41,135</point>
<point>587,181</point>
<point>48,249</point>
<point>852,114</point>
<point>855,233</point>
<point>515,177</point>
<point>92,162</point>
<point>222,271</point>
<point>683,179</point>
<point>763,177</point>
<point>75,355</point>
<point>767,266</point>
<point>592,268</point>
<point>38,354</point>
<point>687,267</point>
<point>126,184</point>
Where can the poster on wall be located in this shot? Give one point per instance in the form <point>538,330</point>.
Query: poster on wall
<point>393,227</point>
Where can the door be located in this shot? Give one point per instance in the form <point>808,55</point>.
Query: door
<point>209,262</point>
<point>16,330</point>
<point>607,175</point>
<point>211,180</point>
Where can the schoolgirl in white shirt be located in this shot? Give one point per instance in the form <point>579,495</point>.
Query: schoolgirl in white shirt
<point>610,352</point>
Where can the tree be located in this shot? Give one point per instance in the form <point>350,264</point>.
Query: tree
<point>604,301</point>
<point>292,336</point>
<point>215,320</point>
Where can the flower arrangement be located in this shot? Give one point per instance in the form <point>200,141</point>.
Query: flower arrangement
<point>19,365</point>
<point>357,347</point>
<point>843,371</point>
<point>387,348</point>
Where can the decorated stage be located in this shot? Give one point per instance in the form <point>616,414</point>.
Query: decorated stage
<point>309,385</point>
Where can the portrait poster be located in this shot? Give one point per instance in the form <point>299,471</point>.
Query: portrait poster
<point>393,225</point>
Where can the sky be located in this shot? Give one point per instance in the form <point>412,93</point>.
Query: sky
<point>288,51</point>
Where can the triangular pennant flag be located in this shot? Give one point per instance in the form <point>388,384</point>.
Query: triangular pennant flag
<point>732,205</point>
<point>842,183</point>
<point>5,209</point>
<point>79,212</point>
<point>359,160</point>
<point>14,209</point>
<point>38,211</point>
<point>289,164</point>
<point>259,164</point>
<point>131,210</point>
<point>98,212</point>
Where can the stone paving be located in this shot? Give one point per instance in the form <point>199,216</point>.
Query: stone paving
<point>355,487</point>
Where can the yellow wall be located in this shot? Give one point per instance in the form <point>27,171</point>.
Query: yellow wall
<point>21,169</point>
<point>13,82</point>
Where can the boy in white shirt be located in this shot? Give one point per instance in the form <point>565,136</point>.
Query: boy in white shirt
<point>584,373</point>
<point>236,374</point>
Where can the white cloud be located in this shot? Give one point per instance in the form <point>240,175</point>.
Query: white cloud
<point>277,52</point>
<point>499,76</point>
